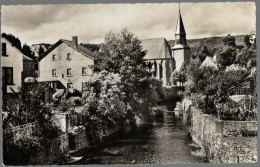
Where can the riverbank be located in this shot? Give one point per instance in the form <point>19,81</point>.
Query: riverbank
<point>221,141</point>
<point>163,140</point>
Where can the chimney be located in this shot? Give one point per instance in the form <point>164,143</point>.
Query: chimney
<point>75,41</point>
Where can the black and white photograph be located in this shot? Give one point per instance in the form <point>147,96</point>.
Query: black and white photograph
<point>129,83</point>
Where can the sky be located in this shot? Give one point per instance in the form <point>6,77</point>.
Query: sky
<point>90,22</point>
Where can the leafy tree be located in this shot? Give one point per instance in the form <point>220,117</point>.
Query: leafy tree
<point>203,53</point>
<point>227,56</point>
<point>229,40</point>
<point>122,88</point>
<point>247,41</point>
<point>27,51</point>
<point>41,50</point>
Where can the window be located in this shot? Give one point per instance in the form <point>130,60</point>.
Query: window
<point>69,85</point>
<point>54,57</point>
<point>69,72</point>
<point>4,49</point>
<point>7,75</point>
<point>84,71</point>
<point>54,73</point>
<point>68,56</point>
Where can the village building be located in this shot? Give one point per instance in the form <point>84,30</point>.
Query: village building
<point>66,64</point>
<point>210,62</point>
<point>159,59</point>
<point>181,52</point>
<point>13,66</point>
<point>234,67</point>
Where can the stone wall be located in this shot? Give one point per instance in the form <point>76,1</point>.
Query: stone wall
<point>239,128</point>
<point>223,141</point>
<point>79,138</point>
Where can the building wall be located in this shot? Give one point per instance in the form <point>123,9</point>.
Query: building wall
<point>77,62</point>
<point>181,56</point>
<point>15,60</point>
<point>163,69</point>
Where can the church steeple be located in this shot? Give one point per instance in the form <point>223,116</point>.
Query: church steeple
<point>180,34</point>
<point>180,27</point>
<point>180,51</point>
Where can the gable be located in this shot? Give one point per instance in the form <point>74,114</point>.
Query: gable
<point>80,49</point>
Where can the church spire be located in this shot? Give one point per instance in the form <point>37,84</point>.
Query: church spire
<point>180,27</point>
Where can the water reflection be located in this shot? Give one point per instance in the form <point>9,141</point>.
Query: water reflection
<point>161,141</point>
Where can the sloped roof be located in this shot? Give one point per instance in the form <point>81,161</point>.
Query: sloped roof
<point>27,58</point>
<point>80,49</point>
<point>237,98</point>
<point>209,62</point>
<point>180,27</point>
<point>24,56</point>
<point>157,48</point>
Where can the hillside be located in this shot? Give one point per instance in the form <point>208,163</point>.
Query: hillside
<point>36,47</point>
<point>212,43</point>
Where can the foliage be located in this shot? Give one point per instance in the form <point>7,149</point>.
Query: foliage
<point>14,40</point>
<point>229,40</point>
<point>179,75</point>
<point>122,88</point>
<point>247,41</point>
<point>41,50</point>
<point>212,84</point>
<point>227,55</point>
<point>25,108</point>
<point>28,107</point>
<point>18,153</point>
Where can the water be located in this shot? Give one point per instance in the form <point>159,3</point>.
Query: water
<point>161,141</point>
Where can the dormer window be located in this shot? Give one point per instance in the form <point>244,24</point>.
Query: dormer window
<point>68,56</point>
<point>54,73</point>
<point>84,71</point>
<point>69,72</point>
<point>54,57</point>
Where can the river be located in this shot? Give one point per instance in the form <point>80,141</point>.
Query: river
<point>163,141</point>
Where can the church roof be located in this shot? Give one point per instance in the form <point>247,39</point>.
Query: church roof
<point>157,48</point>
<point>180,27</point>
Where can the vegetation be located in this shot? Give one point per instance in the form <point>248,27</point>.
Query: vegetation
<point>121,89</point>
<point>208,86</point>
<point>27,107</point>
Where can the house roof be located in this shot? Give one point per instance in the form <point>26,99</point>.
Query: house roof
<point>210,62</point>
<point>24,56</point>
<point>237,98</point>
<point>157,48</point>
<point>80,49</point>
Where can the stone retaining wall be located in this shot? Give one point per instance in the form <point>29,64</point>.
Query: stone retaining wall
<point>223,141</point>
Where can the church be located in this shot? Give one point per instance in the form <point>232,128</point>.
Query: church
<point>162,59</point>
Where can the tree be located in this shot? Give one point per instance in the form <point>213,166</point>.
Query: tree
<point>27,50</point>
<point>229,40</point>
<point>247,41</point>
<point>122,86</point>
<point>227,56</point>
<point>41,50</point>
<point>203,53</point>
